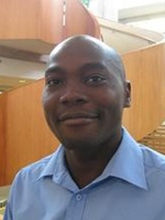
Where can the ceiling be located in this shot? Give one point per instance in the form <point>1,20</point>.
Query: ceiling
<point>23,64</point>
<point>150,16</point>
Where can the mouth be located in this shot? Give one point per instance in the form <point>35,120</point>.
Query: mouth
<point>78,118</point>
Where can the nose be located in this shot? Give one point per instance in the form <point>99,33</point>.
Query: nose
<point>73,96</point>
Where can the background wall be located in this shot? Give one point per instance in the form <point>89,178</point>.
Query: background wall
<point>3,100</point>
<point>26,137</point>
<point>146,71</point>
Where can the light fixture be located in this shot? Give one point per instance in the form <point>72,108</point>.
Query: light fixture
<point>22,81</point>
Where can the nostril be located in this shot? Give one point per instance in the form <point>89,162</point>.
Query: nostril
<point>75,98</point>
<point>79,101</point>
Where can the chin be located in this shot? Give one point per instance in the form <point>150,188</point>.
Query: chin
<point>75,143</point>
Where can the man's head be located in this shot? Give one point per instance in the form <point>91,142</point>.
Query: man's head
<point>85,92</point>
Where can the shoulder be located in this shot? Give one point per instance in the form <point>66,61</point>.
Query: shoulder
<point>26,182</point>
<point>153,160</point>
<point>47,166</point>
<point>34,170</point>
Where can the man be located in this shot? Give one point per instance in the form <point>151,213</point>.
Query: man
<point>99,172</point>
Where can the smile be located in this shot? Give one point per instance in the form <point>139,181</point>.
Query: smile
<point>78,118</point>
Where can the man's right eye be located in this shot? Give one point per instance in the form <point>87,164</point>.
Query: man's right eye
<point>54,82</point>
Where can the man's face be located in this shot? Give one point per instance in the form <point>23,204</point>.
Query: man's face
<point>83,98</point>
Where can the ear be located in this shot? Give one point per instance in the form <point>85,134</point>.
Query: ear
<point>127,94</point>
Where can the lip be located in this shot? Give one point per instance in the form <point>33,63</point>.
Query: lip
<point>77,118</point>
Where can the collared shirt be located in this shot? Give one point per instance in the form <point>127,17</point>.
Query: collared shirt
<point>131,187</point>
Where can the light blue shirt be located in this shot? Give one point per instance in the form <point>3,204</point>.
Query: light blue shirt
<point>132,187</point>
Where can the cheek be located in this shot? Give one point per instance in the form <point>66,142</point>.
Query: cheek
<point>49,103</point>
<point>110,98</point>
<point>48,100</point>
<point>111,105</point>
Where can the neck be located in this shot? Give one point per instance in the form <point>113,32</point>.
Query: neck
<point>86,165</point>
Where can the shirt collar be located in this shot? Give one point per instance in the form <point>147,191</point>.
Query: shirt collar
<point>55,165</point>
<point>126,164</point>
<point>56,169</point>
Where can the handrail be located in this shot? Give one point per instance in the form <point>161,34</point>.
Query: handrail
<point>117,27</point>
<point>125,38</point>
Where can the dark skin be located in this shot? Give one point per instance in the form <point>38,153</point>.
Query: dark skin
<point>84,96</point>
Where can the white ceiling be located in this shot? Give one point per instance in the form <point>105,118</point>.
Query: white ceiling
<point>23,69</point>
<point>122,4</point>
<point>15,73</point>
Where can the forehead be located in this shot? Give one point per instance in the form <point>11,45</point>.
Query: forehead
<point>78,52</point>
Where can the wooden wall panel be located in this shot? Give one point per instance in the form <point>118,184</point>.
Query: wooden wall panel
<point>19,19</point>
<point>36,19</point>
<point>28,137</point>
<point>146,71</point>
<point>79,20</point>
<point>133,71</point>
<point>52,30</point>
<point>43,20</point>
<point>3,100</point>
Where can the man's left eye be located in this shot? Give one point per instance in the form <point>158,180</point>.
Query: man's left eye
<point>94,79</point>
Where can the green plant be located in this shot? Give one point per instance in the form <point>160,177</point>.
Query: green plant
<point>86,2</point>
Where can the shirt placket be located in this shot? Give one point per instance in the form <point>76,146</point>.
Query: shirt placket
<point>76,206</point>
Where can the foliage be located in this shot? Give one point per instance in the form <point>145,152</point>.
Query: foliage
<point>85,2</point>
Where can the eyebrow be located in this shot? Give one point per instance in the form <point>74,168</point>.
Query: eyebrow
<point>52,69</point>
<point>84,67</point>
<point>93,65</point>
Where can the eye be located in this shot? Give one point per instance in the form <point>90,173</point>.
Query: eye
<point>54,82</point>
<point>95,79</point>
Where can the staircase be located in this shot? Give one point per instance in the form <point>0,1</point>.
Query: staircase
<point>156,139</point>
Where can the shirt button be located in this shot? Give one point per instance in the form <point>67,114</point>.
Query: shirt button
<point>78,197</point>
